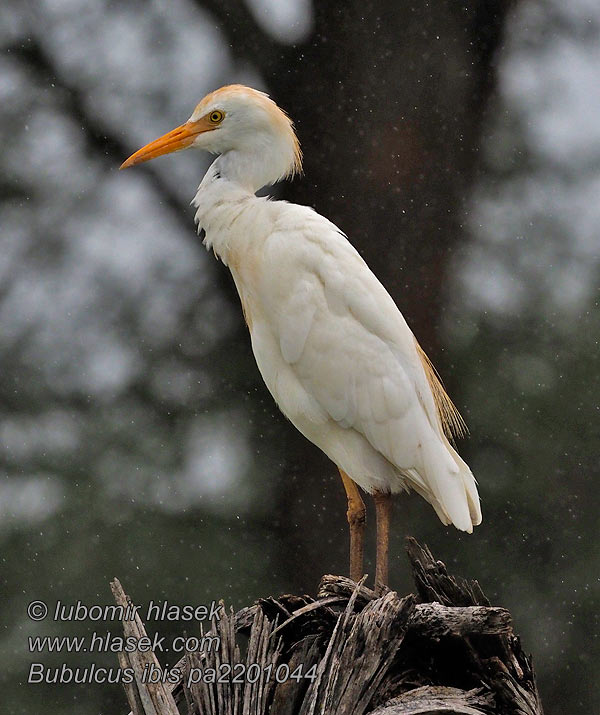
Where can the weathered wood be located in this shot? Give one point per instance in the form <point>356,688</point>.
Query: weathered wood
<point>342,586</point>
<point>434,618</point>
<point>431,700</point>
<point>145,698</point>
<point>436,621</point>
<point>247,696</point>
<point>354,652</point>
<point>360,652</point>
<point>502,664</point>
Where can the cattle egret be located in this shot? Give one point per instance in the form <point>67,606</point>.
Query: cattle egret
<point>329,341</point>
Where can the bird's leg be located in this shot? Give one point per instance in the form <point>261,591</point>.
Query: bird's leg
<point>357,517</point>
<point>383,508</point>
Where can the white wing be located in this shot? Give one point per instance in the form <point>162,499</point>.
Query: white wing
<point>352,351</point>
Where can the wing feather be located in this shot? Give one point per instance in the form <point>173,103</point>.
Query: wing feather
<point>352,351</point>
<point>450,418</point>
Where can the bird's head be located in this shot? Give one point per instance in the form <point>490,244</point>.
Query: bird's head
<point>254,136</point>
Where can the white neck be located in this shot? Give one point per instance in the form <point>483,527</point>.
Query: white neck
<point>263,163</point>
<point>220,200</point>
<point>244,169</point>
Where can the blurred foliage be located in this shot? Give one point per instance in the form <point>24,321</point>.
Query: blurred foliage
<point>456,145</point>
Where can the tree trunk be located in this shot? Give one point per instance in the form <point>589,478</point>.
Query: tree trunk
<point>349,652</point>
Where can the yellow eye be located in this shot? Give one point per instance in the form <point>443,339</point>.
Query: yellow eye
<point>216,116</point>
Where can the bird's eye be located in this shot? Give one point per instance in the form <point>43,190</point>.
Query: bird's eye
<point>216,116</point>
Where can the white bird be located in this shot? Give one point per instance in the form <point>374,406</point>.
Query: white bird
<point>330,343</point>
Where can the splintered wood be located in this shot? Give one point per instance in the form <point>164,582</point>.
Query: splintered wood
<point>150,698</point>
<point>350,651</point>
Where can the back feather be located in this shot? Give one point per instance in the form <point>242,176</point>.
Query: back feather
<point>451,420</point>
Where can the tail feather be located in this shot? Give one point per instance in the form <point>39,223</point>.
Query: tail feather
<point>416,483</point>
<point>451,486</point>
<point>470,485</point>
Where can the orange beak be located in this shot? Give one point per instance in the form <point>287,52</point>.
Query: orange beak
<point>175,140</point>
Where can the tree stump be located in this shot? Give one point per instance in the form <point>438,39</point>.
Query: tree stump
<point>348,651</point>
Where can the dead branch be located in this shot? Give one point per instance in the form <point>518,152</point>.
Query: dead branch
<point>350,651</point>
